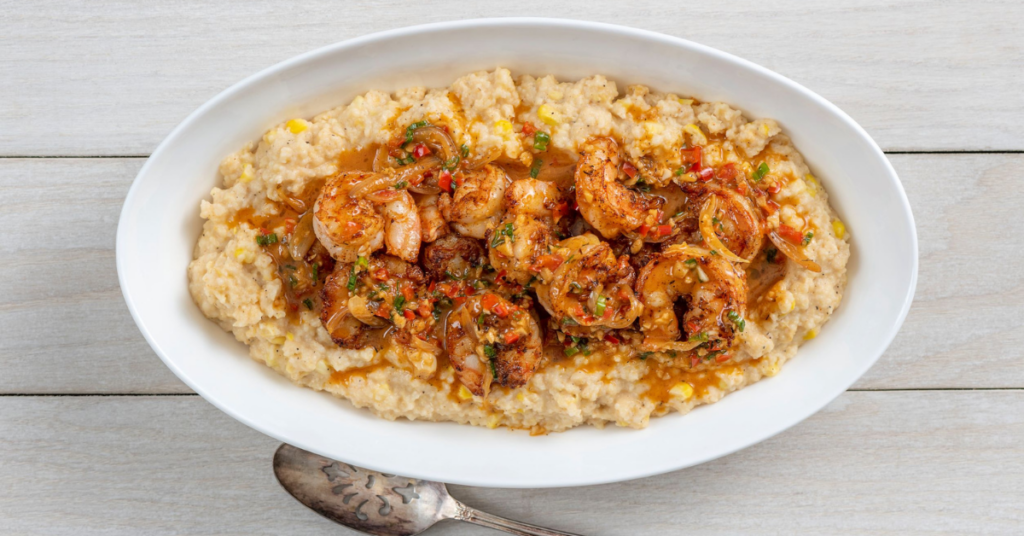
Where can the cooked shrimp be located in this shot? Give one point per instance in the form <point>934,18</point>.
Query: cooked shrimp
<point>591,287</point>
<point>475,206</point>
<point>357,212</point>
<point>489,340</point>
<point>344,328</point>
<point>432,224</point>
<point>452,254</point>
<point>729,223</point>
<point>526,232</point>
<point>605,202</point>
<point>713,291</point>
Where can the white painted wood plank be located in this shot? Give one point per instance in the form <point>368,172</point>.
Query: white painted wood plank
<point>113,77</point>
<point>871,463</point>
<point>66,329</point>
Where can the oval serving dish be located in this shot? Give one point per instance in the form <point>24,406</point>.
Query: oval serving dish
<point>160,222</point>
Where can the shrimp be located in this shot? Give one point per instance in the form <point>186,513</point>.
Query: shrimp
<point>728,222</point>
<point>714,294</point>
<point>432,224</point>
<point>475,206</point>
<point>489,339</point>
<point>526,233</point>
<point>604,201</point>
<point>357,213</point>
<point>344,328</point>
<point>591,288</point>
<point>452,254</point>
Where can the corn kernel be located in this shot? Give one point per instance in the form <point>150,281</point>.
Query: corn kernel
<point>464,393</point>
<point>696,136</point>
<point>290,336</point>
<point>278,340</point>
<point>247,174</point>
<point>239,252</point>
<point>748,170</point>
<point>839,229</point>
<point>773,369</point>
<point>548,115</point>
<point>321,367</point>
<point>811,334</point>
<point>297,126</point>
<point>653,128</point>
<point>493,420</point>
<point>504,126</point>
<point>520,397</point>
<point>685,102</point>
<point>813,183</point>
<point>682,390</point>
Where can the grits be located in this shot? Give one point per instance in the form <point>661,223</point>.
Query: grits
<point>235,281</point>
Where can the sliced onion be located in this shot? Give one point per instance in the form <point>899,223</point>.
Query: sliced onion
<point>425,346</point>
<point>336,318</point>
<point>380,159</point>
<point>357,306</point>
<point>302,237</point>
<point>375,183</point>
<point>413,171</point>
<point>707,230</point>
<point>437,139</point>
<point>483,160</point>
<point>793,252</point>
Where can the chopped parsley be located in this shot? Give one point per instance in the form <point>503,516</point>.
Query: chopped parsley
<point>267,239</point>
<point>490,352</point>
<point>308,303</point>
<point>571,351</point>
<point>399,185</point>
<point>499,235</point>
<point>316,273</point>
<point>642,185</point>
<point>761,171</point>
<point>412,129</point>
<point>535,168</point>
<point>541,140</point>
<point>494,371</point>
<point>399,302</point>
<point>690,262</point>
<point>464,149</point>
<point>352,279</point>
<point>645,355</point>
<point>451,163</point>
<point>807,238</point>
<point>702,337</point>
<point>738,320</point>
<point>292,281</point>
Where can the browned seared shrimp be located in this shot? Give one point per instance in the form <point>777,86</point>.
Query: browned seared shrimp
<point>491,340</point>
<point>526,233</point>
<point>590,287</point>
<point>475,205</point>
<point>357,212</point>
<point>345,329</point>
<point>604,201</point>
<point>452,255</point>
<point>431,221</point>
<point>714,295</point>
<point>729,223</point>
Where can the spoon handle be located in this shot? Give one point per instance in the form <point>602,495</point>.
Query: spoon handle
<point>472,515</point>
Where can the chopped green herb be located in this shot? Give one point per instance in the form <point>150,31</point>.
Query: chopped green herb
<point>465,150</point>
<point>489,351</point>
<point>401,184</point>
<point>450,275</point>
<point>761,171</point>
<point>807,238</point>
<point>412,128</point>
<point>770,254</point>
<point>352,279</point>
<point>308,303</point>
<point>680,171</point>
<point>399,302</point>
<point>541,140</point>
<point>567,321</point>
<point>451,163</point>
<point>267,239</point>
<point>690,262</point>
<point>672,353</point>
<point>289,267</point>
<point>702,337</point>
<point>645,355</point>
<point>481,319</point>
<point>494,371</point>
<point>600,306</point>
<point>713,252</point>
<point>362,261</point>
<point>316,273</point>
<point>436,313</point>
<point>738,320</point>
<point>576,286</point>
<point>642,185</point>
<point>500,234</point>
<point>532,280</point>
<point>571,351</point>
<point>292,281</point>
<point>535,168</point>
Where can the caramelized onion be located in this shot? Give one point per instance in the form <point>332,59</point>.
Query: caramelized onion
<point>707,229</point>
<point>334,321</point>
<point>437,139</point>
<point>357,306</point>
<point>793,252</point>
<point>380,159</point>
<point>302,237</point>
<point>483,160</point>
<point>375,183</point>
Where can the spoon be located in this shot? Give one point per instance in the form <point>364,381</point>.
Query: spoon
<point>378,503</point>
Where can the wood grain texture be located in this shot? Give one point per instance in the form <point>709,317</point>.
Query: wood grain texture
<point>67,330</point>
<point>869,464</point>
<point>113,78</point>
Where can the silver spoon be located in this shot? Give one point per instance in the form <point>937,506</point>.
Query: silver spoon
<point>377,503</point>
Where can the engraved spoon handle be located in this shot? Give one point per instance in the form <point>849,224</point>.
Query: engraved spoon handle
<point>472,515</point>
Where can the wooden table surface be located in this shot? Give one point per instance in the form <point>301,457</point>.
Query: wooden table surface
<point>98,437</point>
